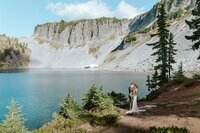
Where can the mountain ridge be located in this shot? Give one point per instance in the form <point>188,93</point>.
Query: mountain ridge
<point>103,42</point>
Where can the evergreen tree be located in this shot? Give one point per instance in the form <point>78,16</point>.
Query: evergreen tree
<point>14,122</point>
<point>154,81</point>
<point>194,24</point>
<point>97,101</point>
<point>171,53</point>
<point>148,83</point>
<point>179,75</point>
<point>69,108</point>
<point>161,46</point>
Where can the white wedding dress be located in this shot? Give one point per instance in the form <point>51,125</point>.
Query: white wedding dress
<point>134,105</point>
<point>134,108</point>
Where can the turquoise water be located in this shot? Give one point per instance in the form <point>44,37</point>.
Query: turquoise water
<point>40,91</point>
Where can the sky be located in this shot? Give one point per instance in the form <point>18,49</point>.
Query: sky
<point>19,17</point>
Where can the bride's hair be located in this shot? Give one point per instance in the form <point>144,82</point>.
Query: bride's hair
<point>136,86</point>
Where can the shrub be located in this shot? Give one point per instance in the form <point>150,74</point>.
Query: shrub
<point>144,30</point>
<point>189,83</point>
<point>104,120</point>
<point>196,76</point>
<point>130,38</point>
<point>168,130</point>
<point>179,77</point>
<point>69,108</point>
<point>118,98</point>
<point>96,100</point>
<point>61,125</point>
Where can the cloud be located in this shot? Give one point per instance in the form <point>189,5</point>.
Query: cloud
<point>93,9</point>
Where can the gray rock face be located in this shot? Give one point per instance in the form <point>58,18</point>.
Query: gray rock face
<point>144,20</point>
<point>83,32</point>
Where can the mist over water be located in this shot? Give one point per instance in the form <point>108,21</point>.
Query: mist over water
<point>40,91</point>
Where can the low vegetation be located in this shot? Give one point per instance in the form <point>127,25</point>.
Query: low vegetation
<point>63,24</point>
<point>103,20</point>
<point>119,99</point>
<point>130,38</point>
<point>168,130</point>
<point>176,15</point>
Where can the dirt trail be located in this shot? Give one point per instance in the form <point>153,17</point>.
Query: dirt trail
<point>176,106</point>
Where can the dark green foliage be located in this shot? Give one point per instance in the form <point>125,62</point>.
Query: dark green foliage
<point>148,84</point>
<point>194,25</point>
<point>179,77</point>
<point>196,76</point>
<point>9,52</point>
<point>171,54</point>
<point>154,81</point>
<point>118,98</point>
<point>161,46</point>
<point>104,120</point>
<point>96,100</point>
<point>14,122</point>
<point>69,108</point>
<point>168,130</point>
<point>189,83</point>
<point>130,38</point>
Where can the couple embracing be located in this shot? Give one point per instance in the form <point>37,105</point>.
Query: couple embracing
<point>133,89</point>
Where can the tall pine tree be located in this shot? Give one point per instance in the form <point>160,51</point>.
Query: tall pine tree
<point>154,81</point>
<point>171,53</point>
<point>148,84</point>
<point>194,24</point>
<point>14,122</point>
<point>161,46</point>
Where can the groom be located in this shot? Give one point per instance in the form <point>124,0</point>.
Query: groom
<point>130,89</point>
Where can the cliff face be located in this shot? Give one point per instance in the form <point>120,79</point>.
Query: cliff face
<point>145,19</point>
<point>82,32</point>
<point>110,43</point>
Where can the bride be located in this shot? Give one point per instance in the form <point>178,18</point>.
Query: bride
<point>133,95</point>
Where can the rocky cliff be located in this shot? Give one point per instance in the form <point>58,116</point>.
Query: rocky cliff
<point>110,43</point>
<point>146,19</point>
<point>82,32</point>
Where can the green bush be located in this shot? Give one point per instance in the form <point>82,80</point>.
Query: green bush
<point>69,108</point>
<point>118,98</point>
<point>168,130</point>
<point>96,100</point>
<point>144,30</point>
<point>104,120</point>
<point>130,38</point>
<point>179,77</point>
<point>189,83</point>
<point>196,76</point>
